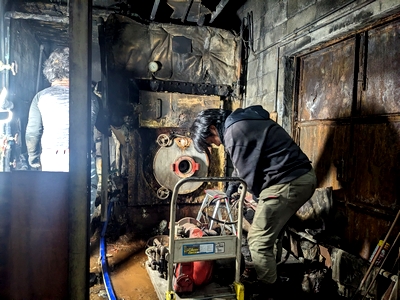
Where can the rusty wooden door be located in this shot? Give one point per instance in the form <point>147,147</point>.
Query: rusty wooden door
<point>348,123</point>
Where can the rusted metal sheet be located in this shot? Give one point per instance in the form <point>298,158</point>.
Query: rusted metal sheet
<point>377,167</point>
<point>326,145</point>
<point>383,71</point>
<point>326,86</point>
<point>355,147</point>
<point>365,228</point>
<point>172,109</point>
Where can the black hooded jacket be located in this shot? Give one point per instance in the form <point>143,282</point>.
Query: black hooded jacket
<point>261,151</point>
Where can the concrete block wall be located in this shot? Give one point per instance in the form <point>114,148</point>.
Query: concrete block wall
<point>284,29</point>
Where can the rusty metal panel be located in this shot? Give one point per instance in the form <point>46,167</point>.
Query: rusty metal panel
<point>326,84</point>
<point>326,145</point>
<point>377,168</point>
<point>383,71</point>
<point>355,152</point>
<point>363,235</point>
<point>172,109</point>
<point>34,208</point>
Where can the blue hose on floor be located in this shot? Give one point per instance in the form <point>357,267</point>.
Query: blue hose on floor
<point>104,267</point>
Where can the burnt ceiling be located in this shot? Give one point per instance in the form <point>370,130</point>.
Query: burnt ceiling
<point>49,19</point>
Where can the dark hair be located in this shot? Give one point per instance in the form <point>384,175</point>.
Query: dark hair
<point>56,67</point>
<point>200,129</point>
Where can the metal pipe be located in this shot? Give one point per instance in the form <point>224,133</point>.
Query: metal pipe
<point>105,159</point>
<point>6,159</point>
<point>27,16</point>
<point>187,10</point>
<point>39,68</point>
<point>154,10</point>
<point>2,34</point>
<point>7,22</point>
<point>277,80</point>
<point>218,9</point>
<point>80,44</point>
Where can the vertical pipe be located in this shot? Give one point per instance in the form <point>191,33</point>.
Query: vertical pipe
<point>39,71</point>
<point>2,35</point>
<point>105,140</point>
<point>7,21</point>
<point>3,76</point>
<point>6,77</point>
<point>80,42</point>
<point>277,80</point>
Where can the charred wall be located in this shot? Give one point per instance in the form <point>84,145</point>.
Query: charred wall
<point>349,151</point>
<point>26,53</point>
<point>159,76</point>
<point>281,30</point>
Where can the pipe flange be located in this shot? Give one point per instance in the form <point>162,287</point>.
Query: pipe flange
<point>185,166</point>
<point>163,193</point>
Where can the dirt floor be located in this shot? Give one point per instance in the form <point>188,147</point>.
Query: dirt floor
<point>126,263</point>
<point>129,279</point>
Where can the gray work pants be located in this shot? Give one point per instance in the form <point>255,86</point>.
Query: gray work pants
<point>276,205</point>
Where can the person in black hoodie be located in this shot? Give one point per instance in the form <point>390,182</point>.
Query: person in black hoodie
<point>275,169</point>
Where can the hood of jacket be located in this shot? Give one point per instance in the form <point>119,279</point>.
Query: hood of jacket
<point>256,112</point>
